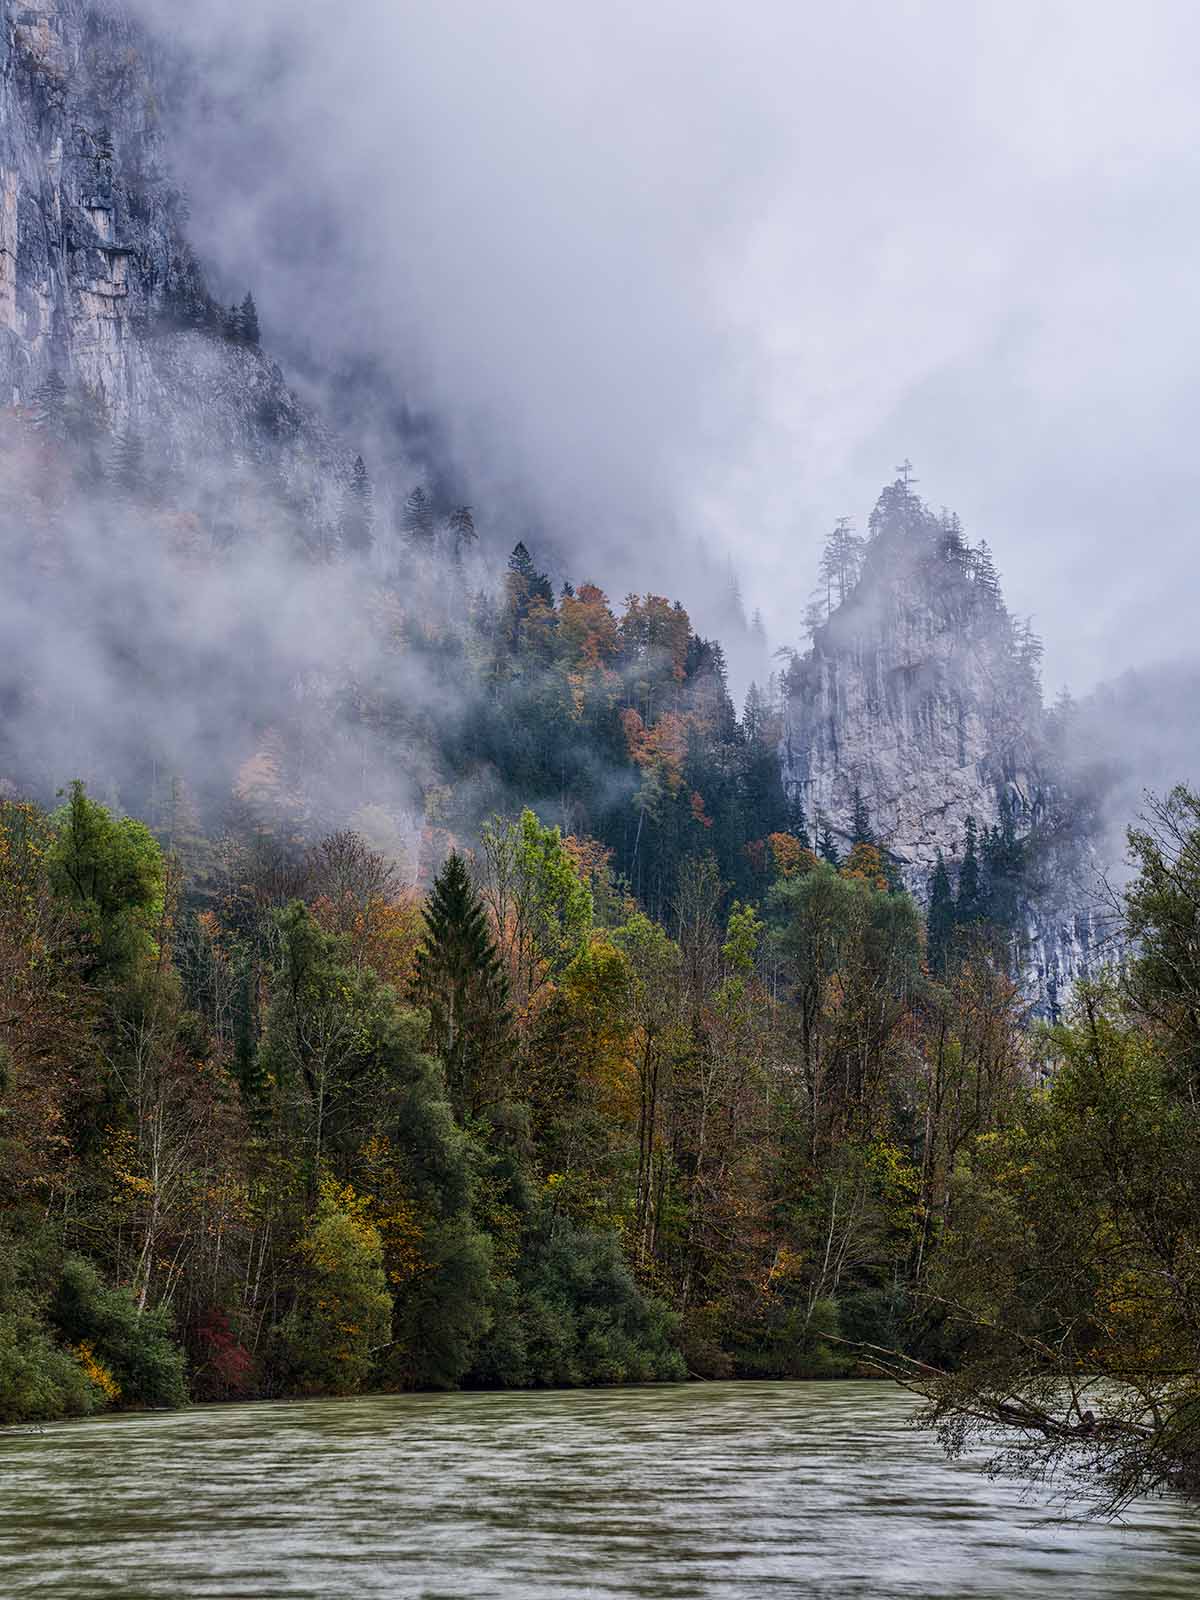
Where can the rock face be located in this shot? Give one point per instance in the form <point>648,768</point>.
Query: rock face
<point>920,695</point>
<point>100,288</point>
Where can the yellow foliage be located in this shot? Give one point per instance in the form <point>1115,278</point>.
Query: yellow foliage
<point>96,1372</point>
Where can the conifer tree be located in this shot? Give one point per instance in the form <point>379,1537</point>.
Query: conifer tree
<point>358,516</point>
<point>129,464</point>
<point>460,525</point>
<point>248,329</point>
<point>50,404</point>
<point>941,918</point>
<point>797,822</point>
<point>860,820</point>
<point>841,562</point>
<point>826,844</point>
<point>458,976</point>
<point>417,519</point>
<point>969,906</point>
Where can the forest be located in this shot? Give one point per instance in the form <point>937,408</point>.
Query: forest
<point>274,1123</point>
<point>612,1066</point>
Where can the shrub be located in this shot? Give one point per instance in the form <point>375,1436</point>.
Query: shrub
<point>134,1347</point>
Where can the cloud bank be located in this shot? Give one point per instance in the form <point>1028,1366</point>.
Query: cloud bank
<point>702,270</point>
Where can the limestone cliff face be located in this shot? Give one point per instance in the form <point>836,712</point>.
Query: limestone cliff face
<point>921,693</point>
<point>99,285</point>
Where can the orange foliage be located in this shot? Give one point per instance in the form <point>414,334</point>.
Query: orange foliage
<point>865,862</point>
<point>383,937</point>
<point>660,750</point>
<point>587,627</point>
<point>590,858</point>
<point>790,856</point>
<point>653,626</point>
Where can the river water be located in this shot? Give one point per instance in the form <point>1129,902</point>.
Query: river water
<point>730,1490</point>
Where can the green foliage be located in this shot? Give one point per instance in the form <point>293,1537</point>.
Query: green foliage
<point>540,906</point>
<point>458,976</point>
<point>112,872</point>
<point>575,1315</point>
<point>39,1378</point>
<point>341,1313</point>
<point>134,1344</point>
<point>1163,905</point>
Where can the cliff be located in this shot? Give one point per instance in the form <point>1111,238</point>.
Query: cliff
<point>920,695</point>
<point>100,288</point>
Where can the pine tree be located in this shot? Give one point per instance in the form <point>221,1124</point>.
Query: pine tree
<point>459,977</point>
<point>968,908</point>
<point>941,918</point>
<point>841,562</point>
<point>358,513</point>
<point>417,519</point>
<point>826,844</point>
<point>797,822</point>
<point>860,820</point>
<point>50,404</point>
<point>987,579</point>
<point>129,464</point>
<point>248,322</point>
<point>460,525</point>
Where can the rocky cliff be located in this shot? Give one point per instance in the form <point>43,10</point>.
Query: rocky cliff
<point>920,696</point>
<point>100,288</point>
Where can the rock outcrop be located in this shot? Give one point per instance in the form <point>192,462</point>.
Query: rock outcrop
<point>920,696</point>
<point>100,288</point>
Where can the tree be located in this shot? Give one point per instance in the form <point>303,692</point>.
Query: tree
<point>1069,1278</point>
<point>460,525</point>
<point>417,519</point>
<point>248,329</point>
<point>1162,907</point>
<point>458,975</point>
<point>341,1315</point>
<point>941,918</point>
<point>969,906</point>
<point>112,872</point>
<point>860,820</point>
<point>541,910</point>
<point>841,562</point>
<point>358,512</point>
<point>826,843</point>
<point>129,464</point>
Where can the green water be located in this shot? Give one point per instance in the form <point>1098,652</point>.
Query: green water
<point>730,1490</point>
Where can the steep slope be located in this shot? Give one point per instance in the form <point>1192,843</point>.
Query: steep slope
<point>920,696</point>
<point>100,289</point>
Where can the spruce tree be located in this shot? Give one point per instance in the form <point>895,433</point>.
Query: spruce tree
<point>417,520</point>
<point>248,322</point>
<point>358,515</point>
<point>129,464</point>
<point>459,977</point>
<point>797,822</point>
<point>969,906</point>
<point>860,820</point>
<point>826,844</point>
<point>460,525</point>
<point>941,918</point>
<point>841,562</point>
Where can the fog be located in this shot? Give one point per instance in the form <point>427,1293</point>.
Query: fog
<point>697,270</point>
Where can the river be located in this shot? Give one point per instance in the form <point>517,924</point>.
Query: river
<point>721,1489</point>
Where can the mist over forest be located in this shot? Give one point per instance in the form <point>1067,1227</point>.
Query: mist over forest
<point>598,756</point>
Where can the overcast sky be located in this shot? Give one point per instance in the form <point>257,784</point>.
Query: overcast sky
<point>687,267</point>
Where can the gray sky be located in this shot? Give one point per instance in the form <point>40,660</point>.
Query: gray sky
<point>692,267</point>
